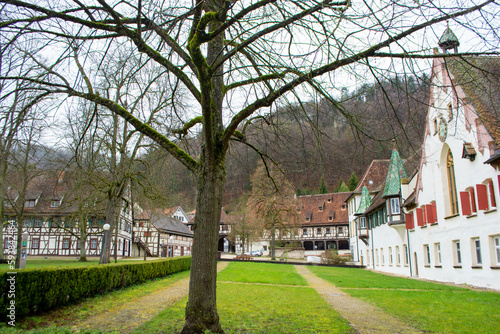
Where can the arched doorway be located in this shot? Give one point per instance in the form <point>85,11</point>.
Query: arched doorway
<point>319,245</point>
<point>308,245</point>
<point>331,244</point>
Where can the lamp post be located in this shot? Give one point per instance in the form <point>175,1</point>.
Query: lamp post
<point>168,247</point>
<point>106,228</point>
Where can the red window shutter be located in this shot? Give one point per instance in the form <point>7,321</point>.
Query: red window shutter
<point>434,213</point>
<point>472,194</point>
<point>409,221</point>
<point>482,197</point>
<point>424,215</point>
<point>492,195</point>
<point>420,216</point>
<point>464,200</point>
<point>428,212</point>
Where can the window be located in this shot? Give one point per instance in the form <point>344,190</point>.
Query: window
<point>66,243</point>
<point>452,187</point>
<point>362,222</point>
<point>320,208</point>
<point>30,203</point>
<point>93,243</point>
<point>437,254</point>
<point>341,230</point>
<point>38,222</point>
<point>35,243</point>
<point>398,256</point>
<point>368,257</point>
<point>427,255</point>
<point>382,258</point>
<point>450,111</point>
<point>304,231</point>
<point>476,252</point>
<point>405,258</point>
<point>390,256</point>
<point>55,203</point>
<point>328,230</point>
<point>395,206</point>
<point>377,260</point>
<point>330,218</point>
<point>318,231</point>
<point>457,254</point>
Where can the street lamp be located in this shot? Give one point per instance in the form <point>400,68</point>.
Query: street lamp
<point>168,247</point>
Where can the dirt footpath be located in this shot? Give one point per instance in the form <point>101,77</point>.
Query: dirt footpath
<point>127,317</point>
<point>363,317</point>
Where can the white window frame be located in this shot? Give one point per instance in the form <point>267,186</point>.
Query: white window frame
<point>395,209</point>
<point>457,253</point>
<point>398,256</point>
<point>477,257</point>
<point>406,255</point>
<point>427,255</point>
<point>496,247</point>
<point>362,222</point>
<point>437,253</point>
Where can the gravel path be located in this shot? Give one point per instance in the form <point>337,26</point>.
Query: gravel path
<point>363,317</point>
<point>127,317</point>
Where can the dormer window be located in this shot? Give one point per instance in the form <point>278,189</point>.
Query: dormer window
<point>320,208</point>
<point>343,206</point>
<point>329,200</point>
<point>30,203</point>
<point>55,203</point>
<point>330,218</point>
<point>395,206</point>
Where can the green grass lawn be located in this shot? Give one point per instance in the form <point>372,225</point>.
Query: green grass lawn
<point>437,308</point>
<point>266,273</point>
<point>60,321</point>
<point>274,298</point>
<point>260,298</point>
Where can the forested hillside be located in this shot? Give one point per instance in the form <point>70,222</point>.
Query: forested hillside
<point>313,142</point>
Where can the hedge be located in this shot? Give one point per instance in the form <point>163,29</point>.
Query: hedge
<point>43,289</point>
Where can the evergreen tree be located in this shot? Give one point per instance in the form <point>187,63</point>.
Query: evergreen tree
<point>322,188</point>
<point>353,182</point>
<point>342,187</point>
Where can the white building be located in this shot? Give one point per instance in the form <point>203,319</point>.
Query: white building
<point>447,226</point>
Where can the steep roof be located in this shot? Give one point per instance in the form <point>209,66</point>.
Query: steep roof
<point>324,209</point>
<point>396,172</point>
<point>171,225</point>
<point>479,77</point>
<point>365,201</point>
<point>374,177</point>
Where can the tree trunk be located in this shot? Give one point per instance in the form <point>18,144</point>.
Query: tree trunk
<point>108,235</point>
<point>83,245</point>
<point>201,309</point>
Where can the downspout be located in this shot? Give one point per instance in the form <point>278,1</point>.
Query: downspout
<point>409,251</point>
<point>373,248</point>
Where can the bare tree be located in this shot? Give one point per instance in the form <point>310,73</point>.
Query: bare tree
<point>272,204</point>
<point>236,59</point>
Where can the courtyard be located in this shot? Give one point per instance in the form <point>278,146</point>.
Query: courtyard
<point>284,298</point>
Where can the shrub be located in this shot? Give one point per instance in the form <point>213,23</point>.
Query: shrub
<point>332,257</point>
<point>43,289</point>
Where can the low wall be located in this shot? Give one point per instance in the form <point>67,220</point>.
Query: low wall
<point>290,253</point>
